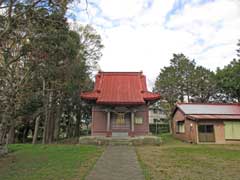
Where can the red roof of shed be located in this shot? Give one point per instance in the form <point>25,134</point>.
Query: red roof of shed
<point>207,108</point>
<point>205,116</point>
<point>209,111</point>
<point>120,88</point>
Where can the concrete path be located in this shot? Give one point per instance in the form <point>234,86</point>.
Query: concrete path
<point>117,163</point>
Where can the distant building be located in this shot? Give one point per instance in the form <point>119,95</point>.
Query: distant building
<point>207,123</point>
<point>157,115</point>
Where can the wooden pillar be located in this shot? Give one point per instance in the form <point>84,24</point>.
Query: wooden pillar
<point>108,122</point>
<point>196,131</point>
<point>132,122</point>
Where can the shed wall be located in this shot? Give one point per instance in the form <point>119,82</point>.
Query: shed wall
<point>190,134</point>
<point>218,129</point>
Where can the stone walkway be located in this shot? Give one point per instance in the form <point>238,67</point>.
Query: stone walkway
<point>117,163</point>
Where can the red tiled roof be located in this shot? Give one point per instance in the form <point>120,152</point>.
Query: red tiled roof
<point>120,88</point>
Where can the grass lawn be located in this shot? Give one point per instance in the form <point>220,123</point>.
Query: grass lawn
<point>55,162</point>
<point>177,160</point>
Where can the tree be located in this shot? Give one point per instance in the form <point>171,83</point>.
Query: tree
<point>182,81</point>
<point>37,49</point>
<point>80,72</point>
<point>204,84</point>
<point>228,81</point>
<point>238,50</point>
<point>175,82</point>
<point>44,65</point>
<point>166,84</point>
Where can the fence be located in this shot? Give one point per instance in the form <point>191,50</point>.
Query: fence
<point>159,128</point>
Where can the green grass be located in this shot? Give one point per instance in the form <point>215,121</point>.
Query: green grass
<point>167,139</point>
<point>177,160</point>
<point>33,162</point>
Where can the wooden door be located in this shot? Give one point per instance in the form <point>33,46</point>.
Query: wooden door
<point>120,122</point>
<point>206,133</point>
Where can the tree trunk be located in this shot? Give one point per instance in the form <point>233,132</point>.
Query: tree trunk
<point>25,134</point>
<point>170,126</point>
<point>45,111</point>
<point>69,128</point>
<point>45,124</point>
<point>57,122</point>
<point>11,134</point>
<point>3,130</point>
<point>77,127</point>
<point>36,130</point>
<point>49,120</point>
<point>51,125</point>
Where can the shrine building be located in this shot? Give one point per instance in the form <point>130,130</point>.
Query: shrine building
<point>120,104</point>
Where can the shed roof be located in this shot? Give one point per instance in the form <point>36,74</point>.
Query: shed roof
<point>120,88</point>
<point>206,116</point>
<point>209,111</point>
<point>191,108</point>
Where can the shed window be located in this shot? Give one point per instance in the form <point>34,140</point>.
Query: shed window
<point>205,128</point>
<point>232,130</point>
<point>180,127</point>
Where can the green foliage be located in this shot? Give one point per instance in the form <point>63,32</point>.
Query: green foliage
<point>44,65</point>
<point>159,128</point>
<point>203,84</point>
<point>228,80</point>
<point>183,79</point>
<point>31,105</point>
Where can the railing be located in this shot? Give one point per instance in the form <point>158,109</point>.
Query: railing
<point>159,128</point>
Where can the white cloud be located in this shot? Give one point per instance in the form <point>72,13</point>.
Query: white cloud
<point>118,9</point>
<point>139,37</point>
<point>217,24</point>
<point>156,14</point>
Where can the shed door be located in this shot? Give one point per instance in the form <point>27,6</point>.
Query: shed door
<point>232,130</point>
<point>206,133</point>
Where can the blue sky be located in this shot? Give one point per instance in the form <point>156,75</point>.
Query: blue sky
<point>143,34</point>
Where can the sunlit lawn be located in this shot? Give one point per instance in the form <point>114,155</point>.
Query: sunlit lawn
<point>48,162</point>
<point>177,160</point>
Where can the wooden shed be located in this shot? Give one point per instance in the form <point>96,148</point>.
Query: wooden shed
<point>207,123</point>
